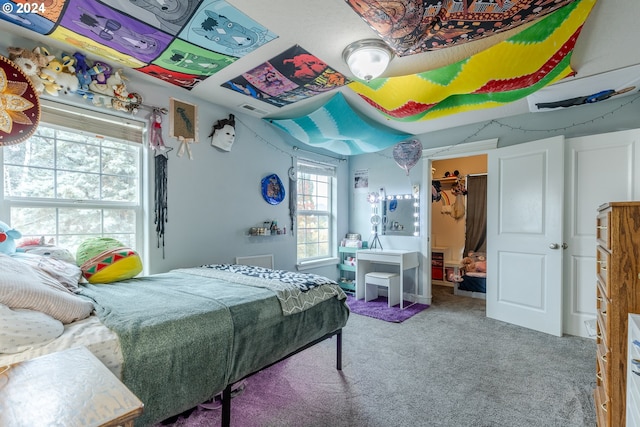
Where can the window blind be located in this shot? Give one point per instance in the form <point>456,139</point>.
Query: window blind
<point>92,122</point>
<point>306,166</point>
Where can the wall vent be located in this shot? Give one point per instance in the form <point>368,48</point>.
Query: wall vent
<point>253,109</point>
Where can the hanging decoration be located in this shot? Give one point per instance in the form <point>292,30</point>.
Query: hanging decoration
<point>156,143</point>
<point>407,153</point>
<point>506,72</point>
<point>19,104</point>
<point>223,133</point>
<point>416,26</point>
<point>293,195</point>
<point>272,189</point>
<point>336,127</point>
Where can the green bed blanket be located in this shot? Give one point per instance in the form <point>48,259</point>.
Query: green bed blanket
<point>185,337</point>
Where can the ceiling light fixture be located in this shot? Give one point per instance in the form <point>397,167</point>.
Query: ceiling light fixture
<point>367,59</point>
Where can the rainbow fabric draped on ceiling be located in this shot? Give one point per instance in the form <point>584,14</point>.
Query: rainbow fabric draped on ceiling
<point>508,71</point>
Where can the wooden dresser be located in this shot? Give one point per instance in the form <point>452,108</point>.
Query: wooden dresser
<point>618,293</point>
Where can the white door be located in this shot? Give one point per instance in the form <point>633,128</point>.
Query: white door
<point>524,234</point>
<point>598,169</point>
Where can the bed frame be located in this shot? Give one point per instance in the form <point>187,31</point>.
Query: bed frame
<point>226,394</point>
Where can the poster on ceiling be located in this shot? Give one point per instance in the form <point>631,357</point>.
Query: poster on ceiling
<point>293,75</point>
<point>182,42</point>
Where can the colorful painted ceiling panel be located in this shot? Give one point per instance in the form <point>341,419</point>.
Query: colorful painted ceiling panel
<point>508,71</point>
<point>415,26</point>
<point>336,127</point>
<point>289,77</point>
<point>182,42</point>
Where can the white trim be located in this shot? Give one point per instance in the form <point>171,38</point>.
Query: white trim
<point>455,150</point>
<point>308,265</point>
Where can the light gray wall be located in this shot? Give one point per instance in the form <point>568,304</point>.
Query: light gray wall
<point>215,198</point>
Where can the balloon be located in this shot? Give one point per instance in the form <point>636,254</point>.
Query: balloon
<point>407,153</point>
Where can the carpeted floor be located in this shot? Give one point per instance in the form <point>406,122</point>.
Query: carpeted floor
<point>448,365</point>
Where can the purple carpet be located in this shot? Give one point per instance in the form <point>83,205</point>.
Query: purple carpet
<point>379,309</point>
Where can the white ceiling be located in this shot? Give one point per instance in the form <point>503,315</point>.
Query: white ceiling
<point>609,41</point>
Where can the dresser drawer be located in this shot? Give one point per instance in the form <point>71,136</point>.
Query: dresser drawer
<point>601,402</point>
<point>602,270</point>
<point>603,223</point>
<point>603,358</point>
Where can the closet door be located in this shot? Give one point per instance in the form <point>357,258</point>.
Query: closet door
<point>524,234</point>
<point>599,169</point>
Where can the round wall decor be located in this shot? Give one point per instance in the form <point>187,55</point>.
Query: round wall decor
<point>19,104</point>
<point>272,189</point>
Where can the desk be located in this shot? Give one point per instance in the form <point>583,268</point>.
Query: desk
<point>67,388</point>
<point>405,260</point>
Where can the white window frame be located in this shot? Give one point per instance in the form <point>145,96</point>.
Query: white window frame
<point>318,168</point>
<point>116,128</point>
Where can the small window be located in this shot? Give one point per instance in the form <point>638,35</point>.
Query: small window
<point>67,185</point>
<point>315,211</point>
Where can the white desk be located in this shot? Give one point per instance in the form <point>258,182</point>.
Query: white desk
<point>405,260</point>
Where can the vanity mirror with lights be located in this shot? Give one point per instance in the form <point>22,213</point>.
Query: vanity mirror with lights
<point>400,214</point>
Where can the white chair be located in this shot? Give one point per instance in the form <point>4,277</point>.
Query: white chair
<point>391,281</point>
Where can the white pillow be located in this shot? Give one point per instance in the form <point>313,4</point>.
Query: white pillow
<point>21,329</point>
<point>64,272</point>
<point>23,286</point>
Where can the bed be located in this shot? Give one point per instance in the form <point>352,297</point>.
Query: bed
<point>472,278</point>
<point>176,339</point>
<point>472,285</point>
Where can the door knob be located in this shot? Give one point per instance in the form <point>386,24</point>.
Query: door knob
<point>565,246</point>
<point>554,246</point>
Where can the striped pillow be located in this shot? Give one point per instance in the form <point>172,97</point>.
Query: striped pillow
<point>22,286</point>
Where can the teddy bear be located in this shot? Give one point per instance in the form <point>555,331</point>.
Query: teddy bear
<point>8,238</point>
<point>31,62</point>
<point>467,265</point>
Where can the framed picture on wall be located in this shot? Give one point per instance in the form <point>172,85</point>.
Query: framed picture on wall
<point>183,118</point>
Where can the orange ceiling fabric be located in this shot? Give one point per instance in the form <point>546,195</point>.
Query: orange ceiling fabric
<point>508,71</point>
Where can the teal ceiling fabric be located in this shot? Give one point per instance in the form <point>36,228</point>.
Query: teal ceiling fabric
<point>336,127</point>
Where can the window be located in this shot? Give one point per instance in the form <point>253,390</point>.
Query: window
<point>315,207</point>
<point>68,185</point>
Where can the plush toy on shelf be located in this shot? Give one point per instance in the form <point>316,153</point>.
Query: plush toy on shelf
<point>8,238</point>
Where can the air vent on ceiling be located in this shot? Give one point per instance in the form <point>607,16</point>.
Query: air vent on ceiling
<point>253,109</point>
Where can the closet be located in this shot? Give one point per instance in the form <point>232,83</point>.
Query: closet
<point>450,217</point>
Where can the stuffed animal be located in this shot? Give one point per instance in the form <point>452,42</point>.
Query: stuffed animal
<point>467,265</point>
<point>31,62</point>
<point>8,238</point>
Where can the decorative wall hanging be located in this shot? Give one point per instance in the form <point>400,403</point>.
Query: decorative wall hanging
<point>508,71</point>
<point>182,42</point>
<point>407,153</point>
<point>289,77</point>
<point>336,127</point>
<point>184,124</point>
<point>272,189</point>
<point>19,104</point>
<point>415,26</point>
<point>223,133</point>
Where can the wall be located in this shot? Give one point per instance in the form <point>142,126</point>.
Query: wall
<point>215,198</point>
